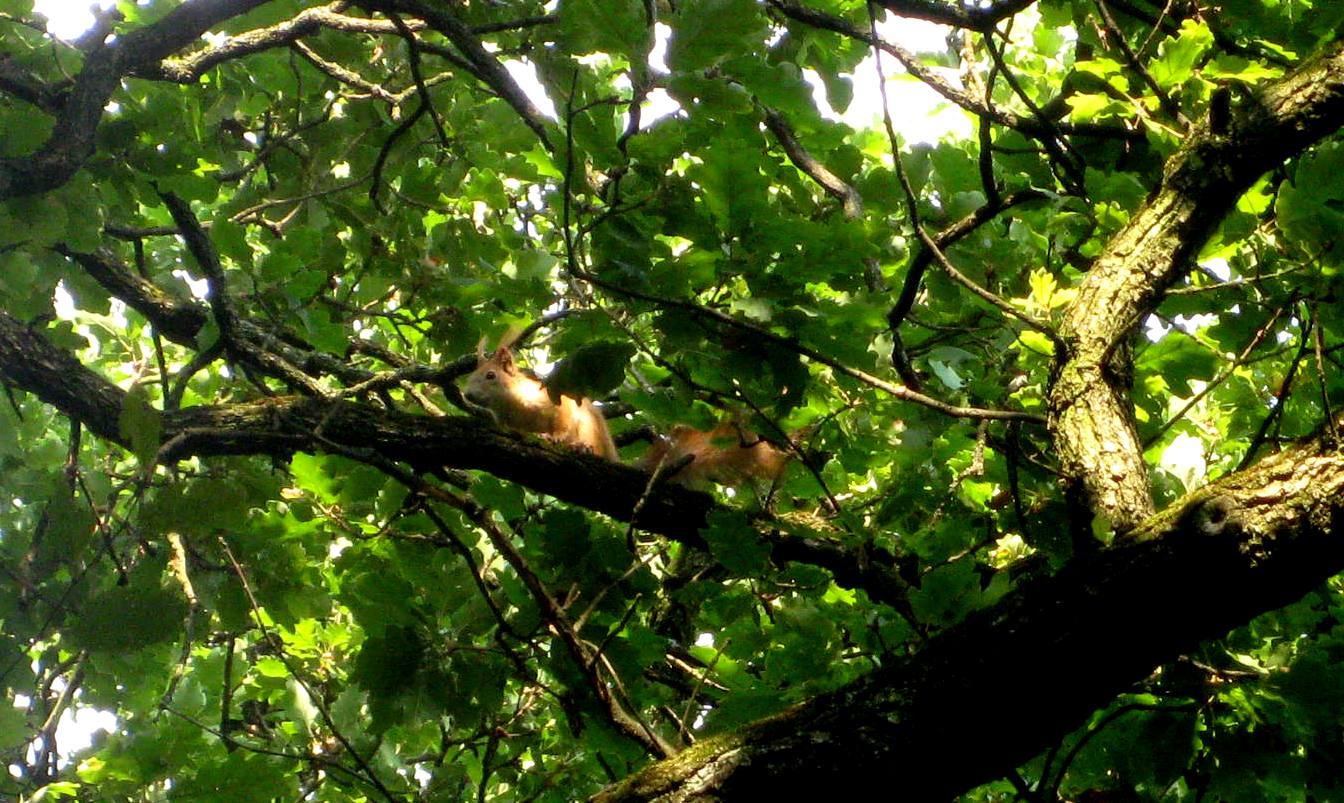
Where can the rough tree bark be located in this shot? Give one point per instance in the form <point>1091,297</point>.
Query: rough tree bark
<point>968,708</point>
<point>1091,418</point>
<point>72,136</point>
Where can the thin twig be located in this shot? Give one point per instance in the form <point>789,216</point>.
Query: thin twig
<point>369,776</point>
<point>899,391</point>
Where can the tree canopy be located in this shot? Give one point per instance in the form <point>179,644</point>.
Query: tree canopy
<point>1060,390</point>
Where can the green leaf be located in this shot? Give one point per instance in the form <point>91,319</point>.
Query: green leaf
<point>70,529</point>
<point>132,617</point>
<point>592,371</point>
<point>388,662</point>
<point>1036,342</point>
<point>735,543</point>
<point>706,32</point>
<point>947,594</point>
<point>1312,212</point>
<point>15,730</point>
<point>1177,57</point>
<point>141,424</point>
<point>608,26</point>
<point>25,130</point>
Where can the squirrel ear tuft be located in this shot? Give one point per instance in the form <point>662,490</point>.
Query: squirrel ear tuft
<point>504,356</point>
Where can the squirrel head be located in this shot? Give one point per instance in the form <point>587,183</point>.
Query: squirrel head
<point>513,397</point>
<point>494,377</point>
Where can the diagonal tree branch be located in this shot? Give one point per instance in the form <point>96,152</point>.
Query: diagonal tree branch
<point>174,318</point>
<point>836,187</point>
<point>967,707</point>
<point>976,16</point>
<point>1091,419</point>
<point>1027,125</point>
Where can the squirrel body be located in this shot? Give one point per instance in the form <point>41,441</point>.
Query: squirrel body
<point>727,455</point>
<point>521,402</point>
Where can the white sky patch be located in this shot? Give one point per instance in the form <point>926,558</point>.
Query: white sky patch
<point>1284,335</point>
<point>67,19</point>
<point>198,287</point>
<point>1218,267</point>
<point>77,728</point>
<point>658,55</point>
<point>1154,329</point>
<point>64,302</point>
<point>524,74</point>
<point>657,104</point>
<point>1184,459</point>
<point>1193,323</point>
<point>919,113</point>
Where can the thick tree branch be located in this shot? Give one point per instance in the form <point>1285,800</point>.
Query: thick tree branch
<point>174,318</point>
<point>1091,419</point>
<point>282,427</point>
<point>975,16</point>
<point>836,187</point>
<point>30,362</point>
<point>16,81</point>
<point>188,69</point>
<point>1256,541</point>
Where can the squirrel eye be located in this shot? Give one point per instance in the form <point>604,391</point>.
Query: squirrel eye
<point>489,374</point>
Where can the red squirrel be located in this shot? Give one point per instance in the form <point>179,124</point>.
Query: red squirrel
<point>727,455</point>
<point>520,402</point>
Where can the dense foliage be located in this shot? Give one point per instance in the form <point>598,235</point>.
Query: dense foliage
<point>368,592</point>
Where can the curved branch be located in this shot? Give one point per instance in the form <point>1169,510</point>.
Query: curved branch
<point>488,68</point>
<point>1091,418</point>
<point>72,137</point>
<point>803,159</point>
<point>976,16</point>
<point>188,69</point>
